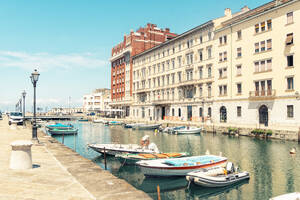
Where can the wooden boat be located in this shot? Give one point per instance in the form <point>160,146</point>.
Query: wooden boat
<point>146,126</point>
<point>59,126</point>
<point>179,166</point>
<point>217,176</point>
<point>188,130</point>
<point>290,196</point>
<point>70,131</point>
<point>128,158</point>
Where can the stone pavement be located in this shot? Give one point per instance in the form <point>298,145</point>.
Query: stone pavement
<point>58,173</point>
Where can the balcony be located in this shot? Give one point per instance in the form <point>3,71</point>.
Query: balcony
<point>262,94</point>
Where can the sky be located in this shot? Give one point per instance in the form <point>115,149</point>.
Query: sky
<point>69,42</point>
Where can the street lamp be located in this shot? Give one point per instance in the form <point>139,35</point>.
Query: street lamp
<point>34,78</point>
<point>23,95</point>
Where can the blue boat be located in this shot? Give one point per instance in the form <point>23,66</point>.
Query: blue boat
<point>59,126</point>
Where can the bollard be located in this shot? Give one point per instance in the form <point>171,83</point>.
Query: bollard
<point>105,159</point>
<point>21,155</point>
<point>158,192</point>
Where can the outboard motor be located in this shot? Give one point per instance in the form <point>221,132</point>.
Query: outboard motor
<point>152,146</point>
<point>230,167</point>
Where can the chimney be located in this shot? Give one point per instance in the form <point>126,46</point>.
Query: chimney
<point>245,9</point>
<point>227,12</point>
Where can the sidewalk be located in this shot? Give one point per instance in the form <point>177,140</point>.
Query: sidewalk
<point>58,173</point>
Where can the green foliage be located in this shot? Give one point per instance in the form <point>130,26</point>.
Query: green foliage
<point>232,130</point>
<point>262,132</point>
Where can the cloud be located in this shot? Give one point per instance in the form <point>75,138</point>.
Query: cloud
<point>46,61</point>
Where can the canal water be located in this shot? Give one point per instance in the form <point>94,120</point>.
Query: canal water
<point>273,171</point>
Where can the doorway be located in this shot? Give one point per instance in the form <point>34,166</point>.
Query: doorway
<point>263,115</point>
<point>189,113</point>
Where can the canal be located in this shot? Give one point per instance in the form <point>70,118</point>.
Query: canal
<point>273,171</point>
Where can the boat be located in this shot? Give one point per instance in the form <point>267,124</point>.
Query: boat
<point>70,131</point>
<point>129,125</point>
<point>179,166</point>
<point>188,130</point>
<point>290,196</point>
<point>59,126</point>
<point>146,126</point>
<point>115,123</point>
<point>217,176</point>
<point>83,120</point>
<point>99,121</point>
<point>128,158</point>
<point>113,149</point>
<point>172,129</point>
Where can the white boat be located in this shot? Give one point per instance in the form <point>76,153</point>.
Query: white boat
<point>99,121</point>
<point>188,130</point>
<point>290,196</point>
<point>113,149</point>
<point>179,166</point>
<point>217,176</point>
<point>173,129</point>
<point>146,126</point>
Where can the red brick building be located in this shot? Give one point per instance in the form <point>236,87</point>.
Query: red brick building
<point>121,62</point>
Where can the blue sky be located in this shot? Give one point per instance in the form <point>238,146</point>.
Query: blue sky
<point>70,41</point>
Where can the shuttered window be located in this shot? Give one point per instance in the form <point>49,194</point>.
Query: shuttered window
<point>290,18</point>
<point>269,44</point>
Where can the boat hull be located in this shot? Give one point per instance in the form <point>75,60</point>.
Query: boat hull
<point>185,131</point>
<point>112,149</point>
<point>63,132</point>
<point>218,181</point>
<point>146,126</point>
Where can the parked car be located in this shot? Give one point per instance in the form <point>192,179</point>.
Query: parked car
<point>15,118</point>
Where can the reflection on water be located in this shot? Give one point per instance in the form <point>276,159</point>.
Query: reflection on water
<point>273,171</point>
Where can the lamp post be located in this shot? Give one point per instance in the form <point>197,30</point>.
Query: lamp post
<point>23,95</point>
<point>34,78</point>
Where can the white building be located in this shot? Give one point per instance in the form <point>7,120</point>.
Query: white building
<point>97,101</point>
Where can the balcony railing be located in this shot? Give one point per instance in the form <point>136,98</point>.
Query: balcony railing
<point>262,94</point>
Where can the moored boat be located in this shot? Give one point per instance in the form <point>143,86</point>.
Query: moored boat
<point>172,129</point>
<point>70,131</point>
<point>99,121</point>
<point>113,149</point>
<point>188,130</point>
<point>128,158</point>
<point>290,196</point>
<point>59,126</point>
<point>83,120</point>
<point>115,123</point>
<point>179,166</point>
<point>217,176</point>
<point>146,126</point>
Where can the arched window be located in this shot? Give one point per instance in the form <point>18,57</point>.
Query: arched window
<point>263,115</point>
<point>209,112</point>
<point>223,114</point>
<point>173,112</point>
<point>179,112</point>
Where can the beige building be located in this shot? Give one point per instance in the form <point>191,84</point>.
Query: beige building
<point>240,69</point>
<point>97,101</point>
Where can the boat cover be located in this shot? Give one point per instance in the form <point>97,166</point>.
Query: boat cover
<point>59,125</point>
<point>191,161</point>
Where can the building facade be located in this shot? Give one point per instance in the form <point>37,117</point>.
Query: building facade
<point>97,101</point>
<point>121,61</point>
<point>240,69</point>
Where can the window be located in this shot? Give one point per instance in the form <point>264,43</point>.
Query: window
<point>179,77</point>
<point>239,88</point>
<point>269,44</point>
<point>200,55</point>
<point>179,47</point>
<point>189,58</point>
<point>189,75</point>
<point>200,112</point>
<point>239,35</point>
<point>200,72</point>
<point>269,24</point>
<point>209,112</point>
<point>289,39</point>
<point>173,112</point>
<point>201,91</point>
<point>201,39</point>
<point>220,40</point>
<point>179,61</point>
<point>290,61</point>
<point>225,55</point>
<point>289,17</point>
<point>220,57</point>
<point>209,36</point>
<point>238,111</point>
<point>256,28</point>
<point>179,112</point>
<point>256,47</point>
<point>239,70</point>
<point>290,111</point>
<point>223,90</point>
<point>173,63</point>
<point>290,83</point>
<point>239,52</point>
<point>269,65</point>
<point>209,72</point>
<point>209,90</point>
<point>209,52</point>
<point>225,39</point>
<point>262,46</point>
<point>263,26</point>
